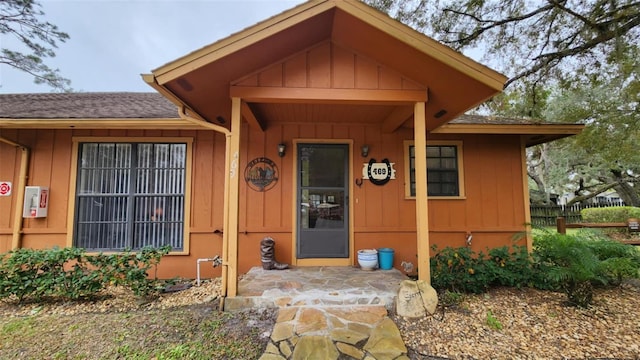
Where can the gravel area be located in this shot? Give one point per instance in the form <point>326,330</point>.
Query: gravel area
<point>505,323</point>
<point>508,323</point>
<point>117,299</point>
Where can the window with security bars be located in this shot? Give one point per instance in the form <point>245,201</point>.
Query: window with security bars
<point>130,195</point>
<point>442,170</point>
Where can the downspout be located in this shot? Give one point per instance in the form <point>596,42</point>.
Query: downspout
<point>225,220</point>
<point>150,79</point>
<point>227,166</point>
<point>16,239</point>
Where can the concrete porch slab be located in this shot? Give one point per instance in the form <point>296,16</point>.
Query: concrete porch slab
<point>317,287</point>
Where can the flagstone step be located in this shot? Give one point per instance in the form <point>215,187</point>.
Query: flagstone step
<point>318,286</point>
<point>275,299</point>
<point>360,332</point>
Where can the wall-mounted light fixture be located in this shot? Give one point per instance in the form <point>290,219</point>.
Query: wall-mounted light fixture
<point>281,148</point>
<point>364,150</point>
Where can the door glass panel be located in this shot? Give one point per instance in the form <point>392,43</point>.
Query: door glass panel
<point>322,209</point>
<point>323,227</point>
<point>327,169</point>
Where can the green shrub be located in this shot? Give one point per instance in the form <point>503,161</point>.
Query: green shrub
<point>459,270</point>
<point>610,214</point>
<point>37,273</point>
<point>462,270</point>
<point>568,264</point>
<point>130,269</point>
<point>618,261</point>
<point>574,263</point>
<point>69,273</point>
<point>509,266</point>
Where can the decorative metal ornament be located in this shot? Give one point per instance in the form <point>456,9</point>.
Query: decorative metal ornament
<point>261,174</point>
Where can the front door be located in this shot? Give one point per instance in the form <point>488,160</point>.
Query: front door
<point>323,200</point>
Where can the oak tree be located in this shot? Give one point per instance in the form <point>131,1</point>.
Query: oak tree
<point>537,40</point>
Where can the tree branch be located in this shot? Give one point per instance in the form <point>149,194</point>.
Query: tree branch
<point>493,23</point>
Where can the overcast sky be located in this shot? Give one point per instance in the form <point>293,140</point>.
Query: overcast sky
<point>112,42</point>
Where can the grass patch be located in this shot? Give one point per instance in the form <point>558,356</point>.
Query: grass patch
<point>492,321</point>
<point>191,332</point>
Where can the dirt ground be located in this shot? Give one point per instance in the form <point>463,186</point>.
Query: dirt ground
<point>505,323</point>
<point>180,325</point>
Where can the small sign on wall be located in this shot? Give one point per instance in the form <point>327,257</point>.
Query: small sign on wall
<point>379,173</point>
<point>5,188</point>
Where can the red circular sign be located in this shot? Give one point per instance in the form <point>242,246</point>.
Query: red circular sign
<point>5,188</point>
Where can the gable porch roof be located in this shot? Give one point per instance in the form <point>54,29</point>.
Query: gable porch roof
<point>205,80</point>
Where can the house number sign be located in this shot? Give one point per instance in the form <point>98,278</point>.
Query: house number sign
<point>261,174</point>
<point>379,173</point>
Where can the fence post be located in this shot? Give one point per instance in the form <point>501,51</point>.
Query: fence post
<point>561,225</point>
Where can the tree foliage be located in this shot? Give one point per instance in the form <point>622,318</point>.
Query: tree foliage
<point>22,19</point>
<point>605,155</point>
<point>534,40</point>
<point>574,61</point>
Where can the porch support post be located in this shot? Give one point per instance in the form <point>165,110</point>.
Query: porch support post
<point>422,211</point>
<point>525,193</point>
<point>231,230</point>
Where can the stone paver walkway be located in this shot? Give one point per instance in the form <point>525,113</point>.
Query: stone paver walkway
<point>326,313</point>
<point>330,332</point>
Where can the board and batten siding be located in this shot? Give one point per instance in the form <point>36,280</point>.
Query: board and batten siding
<point>493,209</point>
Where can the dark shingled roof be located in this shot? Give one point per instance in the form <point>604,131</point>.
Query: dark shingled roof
<point>124,105</point>
<point>118,105</point>
<point>494,120</point>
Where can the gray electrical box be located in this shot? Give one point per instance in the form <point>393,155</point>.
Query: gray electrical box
<point>36,202</point>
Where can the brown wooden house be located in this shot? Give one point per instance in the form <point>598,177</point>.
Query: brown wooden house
<point>329,127</point>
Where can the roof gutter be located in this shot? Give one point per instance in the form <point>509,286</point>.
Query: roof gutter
<point>182,111</point>
<point>16,239</point>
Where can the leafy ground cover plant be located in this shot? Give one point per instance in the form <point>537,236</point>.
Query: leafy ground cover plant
<point>71,274</point>
<point>569,265</point>
<point>459,270</point>
<point>573,264</point>
<point>463,270</point>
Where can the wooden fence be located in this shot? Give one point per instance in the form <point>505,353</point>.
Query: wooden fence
<point>545,215</point>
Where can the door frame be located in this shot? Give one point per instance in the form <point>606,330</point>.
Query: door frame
<point>294,205</point>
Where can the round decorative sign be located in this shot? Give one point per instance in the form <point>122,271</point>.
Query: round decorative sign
<point>261,174</point>
<point>5,188</point>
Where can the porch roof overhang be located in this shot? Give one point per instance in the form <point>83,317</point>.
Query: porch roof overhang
<point>532,134</point>
<point>202,81</point>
